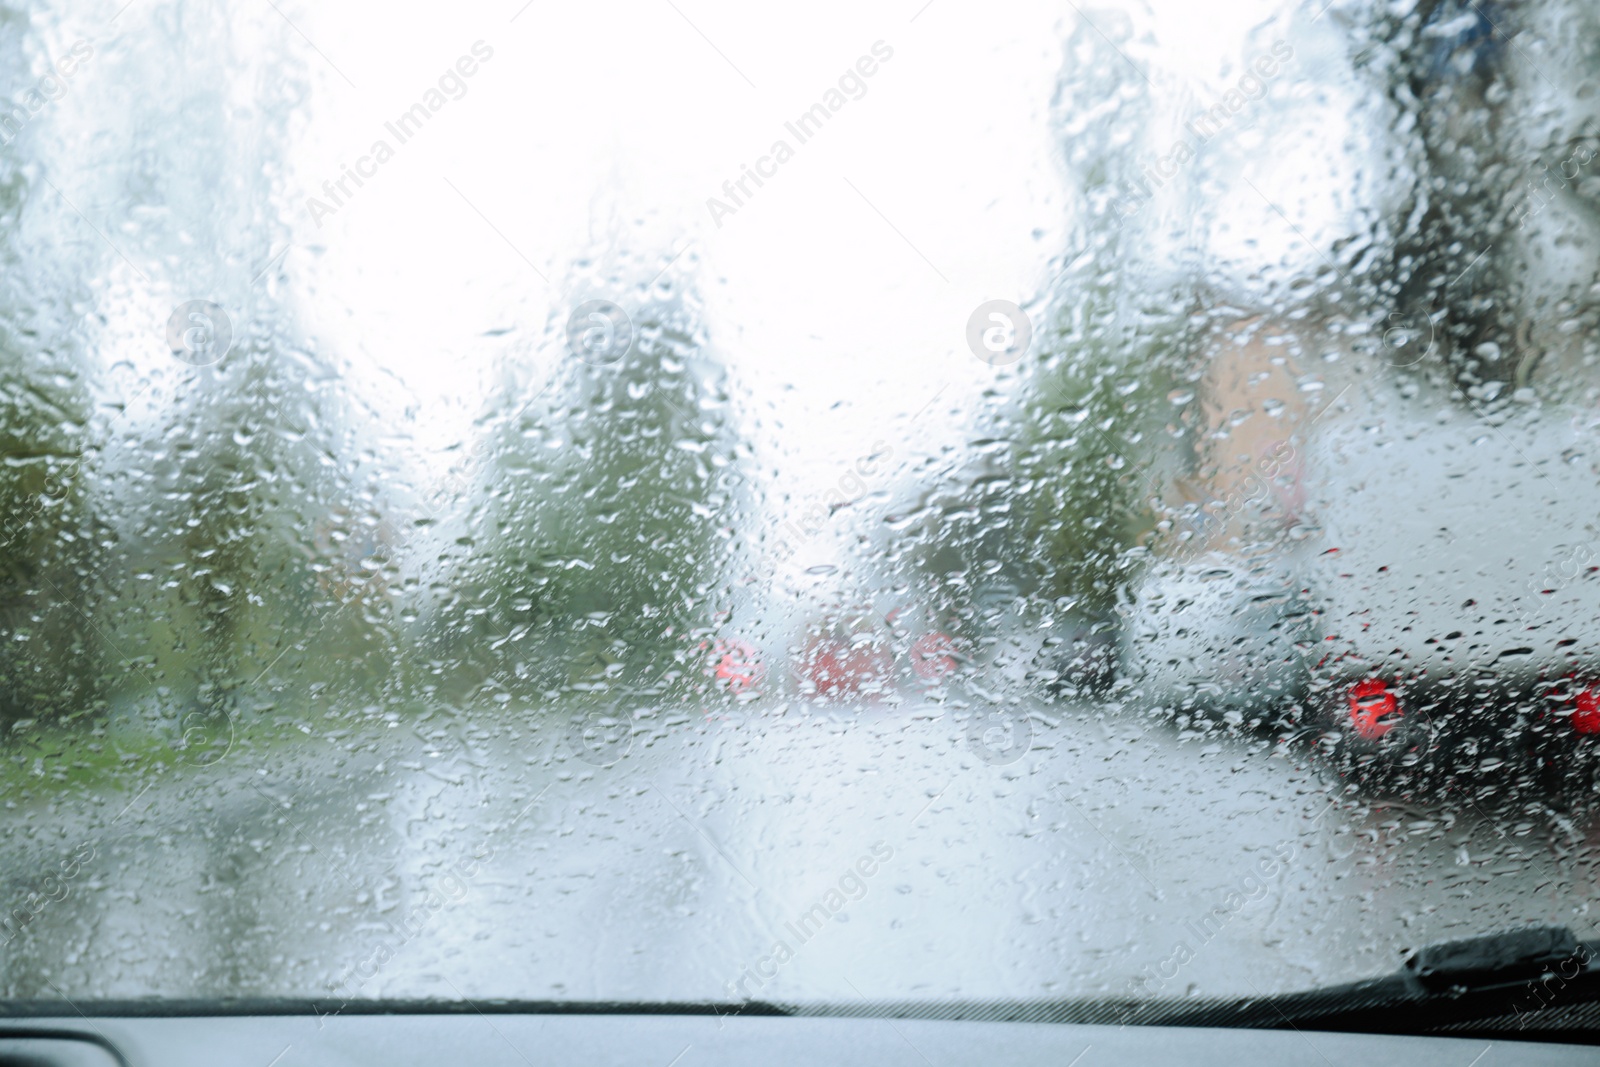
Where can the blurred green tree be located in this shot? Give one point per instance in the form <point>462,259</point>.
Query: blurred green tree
<point>603,516</point>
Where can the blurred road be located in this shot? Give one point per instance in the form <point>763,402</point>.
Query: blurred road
<point>477,857</point>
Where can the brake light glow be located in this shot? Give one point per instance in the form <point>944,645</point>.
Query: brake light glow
<point>1374,709</point>
<point>1586,712</point>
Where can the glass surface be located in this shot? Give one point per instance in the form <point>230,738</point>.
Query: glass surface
<point>693,502</point>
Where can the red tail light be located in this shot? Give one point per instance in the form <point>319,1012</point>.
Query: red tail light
<point>839,670</point>
<point>1586,712</point>
<point>737,665</point>
<point>1374,710</point>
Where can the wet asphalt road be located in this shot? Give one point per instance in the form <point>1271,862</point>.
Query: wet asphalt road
<point>875,847</point>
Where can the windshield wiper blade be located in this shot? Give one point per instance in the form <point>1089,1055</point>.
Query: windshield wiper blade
<point>1511,984</point>
<point>1493,960</point>
<point>1505,978</point>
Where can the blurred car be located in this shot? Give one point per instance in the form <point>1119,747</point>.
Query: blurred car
<point>859,656</point>
<point>1433,611</point>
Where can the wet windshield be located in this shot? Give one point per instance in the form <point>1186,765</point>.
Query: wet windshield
<point>683,503</point>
